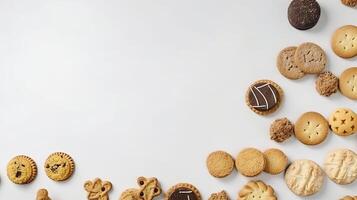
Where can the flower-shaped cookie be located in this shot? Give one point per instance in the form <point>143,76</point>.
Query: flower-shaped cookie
<point>98,189</point>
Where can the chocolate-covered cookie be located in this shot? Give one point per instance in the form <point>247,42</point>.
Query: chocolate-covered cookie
<point>264,97</point>
<point>183,191</point>
<point>304,14</point>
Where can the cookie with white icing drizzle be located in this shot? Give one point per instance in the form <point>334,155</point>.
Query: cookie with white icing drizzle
<point>264,97</point>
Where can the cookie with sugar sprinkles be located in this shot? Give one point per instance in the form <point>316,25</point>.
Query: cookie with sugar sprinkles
<point>264,97</point>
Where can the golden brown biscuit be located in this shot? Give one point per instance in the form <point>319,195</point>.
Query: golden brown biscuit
<point>250,162</point>
<point>98,189</point>
<point>21,170</point>
<point>310,58</point>
<point>341,166</point>
<point>149,189</point>
<point>220,164</point>
<point>286,64</point>
<point>42,194</point>
<point>304,177</point>
<point>348,83</point>
<point>256,190</point>
<point>344,41</point>
<point>276,161</point>
<point>311,128</point>
<point>343,122</point>
<point>183,191</point>
<point>349,198</point>
<point>59,166</point>
<point>219,196</point>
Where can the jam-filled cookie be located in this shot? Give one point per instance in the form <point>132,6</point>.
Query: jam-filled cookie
<point>59,166</point>
<point>21,169</point>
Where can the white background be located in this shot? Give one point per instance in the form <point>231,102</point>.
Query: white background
<point>149,88</point>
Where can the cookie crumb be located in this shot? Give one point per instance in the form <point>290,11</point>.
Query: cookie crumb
<point>350,3</point>
<point>281,130</point>
<point>326,84</point>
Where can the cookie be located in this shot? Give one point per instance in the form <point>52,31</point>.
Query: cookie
<point>304,177</point>
<point>149,189</point>
<point>281,130</point>
<point>348,83</point>
<point>350,3</point>
<point>341,166</point>
<point>21,170</point>
<point>276,161</point>
<point>219,196</point>
<point>42,194</point>
<point>59,166</point>
<point>183,191</point>
<point>256,190</point>
<point>304,14</point>
<point>343,122</point>
<point>310,57</point>
<point>250,162</point>
<point>264,97</point>
<point>220,164</point>
<point>311,128</point>
<point>326,84</point>
<point>349,198</point>
<point>344,41</point>
<point>286,64</point>
<point>98,189</point>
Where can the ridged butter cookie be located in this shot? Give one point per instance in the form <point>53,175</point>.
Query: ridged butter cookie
<point>256,190</point>
<point>220,164</point>
<point>276,161</point>
<point>264,97</point>
<point>310,57</point>
<point>344,41</point>
<point>304,177</point>
<point>343,122</point>
<point>286,64</point>
<point>21,170</point>
<point>341,166</point>
<point>348,83</point>
<point>250,162</point>
<point>311,128</point>
<point>183,191</point>
<point>59,166</point>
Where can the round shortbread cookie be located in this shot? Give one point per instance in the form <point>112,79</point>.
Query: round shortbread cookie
<point>310,57</point>
<point>250,162</point>
<point>344,41</point>
<point>256,190</point>
<point>276,161</point>
<point>21,170</point>
<point>341,166</point>
<point>311,128</point>
<point>286,64</point>
<point>349,198</point>
<point>348,83</point>
<point>304,177</point>
<point>220,164</point>
<point>343,122</point>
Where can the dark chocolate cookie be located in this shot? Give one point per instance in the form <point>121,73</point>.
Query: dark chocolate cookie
<point>183,191</point>
<point>304,14</point>
<point>264,96</point>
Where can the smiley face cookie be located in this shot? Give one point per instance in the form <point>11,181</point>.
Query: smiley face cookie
<point>98,189</point>
<point>149,188</point>
<point>343,122</point>
<point>311,128</point>
<point>341,166</point>
<point>310,58</point>
<point>256,190</point>
<point>21,170</point>
<point>183,191</point>
<point>304,177</point>
<point>59,166</point>
<point>348,83</point>
<point>344,41</point>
